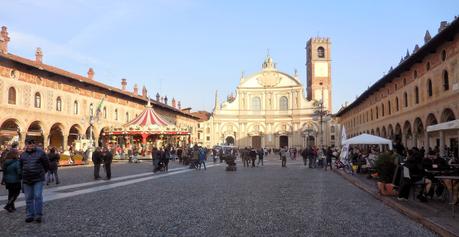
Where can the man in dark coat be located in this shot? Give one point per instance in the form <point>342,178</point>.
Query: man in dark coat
<point>107,157</point>
<point>253,156</point>
<point>97,160</point>
<point>34,165</point>
<point>261,153</point>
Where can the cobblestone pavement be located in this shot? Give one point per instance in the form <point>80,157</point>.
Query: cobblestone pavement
<point>261,201</point>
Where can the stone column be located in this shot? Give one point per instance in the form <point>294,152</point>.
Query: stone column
<point>45,140</point>
<point>22,138</point>
<point>427,142</point>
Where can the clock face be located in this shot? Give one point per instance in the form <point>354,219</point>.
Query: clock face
<point>321,69</point>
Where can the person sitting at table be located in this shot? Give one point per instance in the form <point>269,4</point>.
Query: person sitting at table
<point>412,172</point>
<point>432,163</point>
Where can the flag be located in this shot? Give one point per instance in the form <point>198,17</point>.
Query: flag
<point>99,108</point>
<point>344,149</point>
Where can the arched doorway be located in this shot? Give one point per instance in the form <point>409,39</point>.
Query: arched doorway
<point>390,131</point>
<point>10,131</point>
<point>56,136</point>
<point>256,142</point>
<point>447,115</point>
<point>74,134</point>
<point>378,133</point>
<point>384,132</point>
<point>283,141</point>
<point>419,133</point>
<point>398,133</point>
<point>35,132</point>
<point>408,134</point>
<point>229,140</point>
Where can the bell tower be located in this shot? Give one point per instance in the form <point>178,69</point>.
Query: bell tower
<point>318,68</point>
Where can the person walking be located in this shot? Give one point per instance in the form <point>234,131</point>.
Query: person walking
<point>107,158</point>
<point>253,156</point>
<point>53,157</point>
<point>261,154</point>
<point>97,161</point>
<point>202,158</point>
<point>328,158</point>
<point>12,176</point>
<point>283,155</point>
<point>34,164</point>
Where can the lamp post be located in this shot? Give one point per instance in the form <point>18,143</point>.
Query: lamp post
<point>321,114</point>
<point>91,124</point>
<point>307,133</point>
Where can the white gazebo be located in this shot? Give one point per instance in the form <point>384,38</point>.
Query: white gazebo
<point>367,139</point>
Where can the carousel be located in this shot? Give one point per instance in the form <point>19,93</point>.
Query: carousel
<point>147,129</point>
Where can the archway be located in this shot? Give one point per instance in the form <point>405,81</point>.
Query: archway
<point>283,141</point>
<point>10,131</point>
<point>256,142</point>
<point>56,136</point>
<point>378,133</point>
<point>398,133</point>
<point>419,133</point>
<point>447,115</point>
<point>35,132</point>
<point>229,140</point>
<point>384,132</point>
<point>372,132</point>
<point>408,134</point>
<point>74,134</point>
<point>390,131</point>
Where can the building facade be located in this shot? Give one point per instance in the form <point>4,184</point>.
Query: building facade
<point>270,108</point>
<point>422,90</point>
<point>54,106</point>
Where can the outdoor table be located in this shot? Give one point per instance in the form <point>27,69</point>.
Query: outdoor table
<point>456,166</point>
<point>453,179</point>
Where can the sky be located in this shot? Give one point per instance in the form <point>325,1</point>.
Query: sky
<point>188,49</point>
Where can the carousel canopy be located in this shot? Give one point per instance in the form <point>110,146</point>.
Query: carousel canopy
<point>148,118</point>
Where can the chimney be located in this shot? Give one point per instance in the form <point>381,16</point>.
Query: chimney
<point>443,25</point>
<point>4,39</point>
<point>38,55</point>
<point>174,103</point>
<point>136,90</point>
<point>179,105</point>
<point>165,100</point>
<point>161,99</point>
<point>144,92</point>
<point>123,84</point>
<point>157,97</point>
<point>91,73</point>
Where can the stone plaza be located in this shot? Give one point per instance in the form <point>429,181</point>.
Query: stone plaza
<point>292,201</point>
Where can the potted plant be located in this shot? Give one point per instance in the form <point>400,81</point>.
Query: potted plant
<point>385,168</point>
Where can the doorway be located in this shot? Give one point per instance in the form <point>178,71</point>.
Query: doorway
<point>256,142</point>
<point>283,141</point>
<point>229,140</point>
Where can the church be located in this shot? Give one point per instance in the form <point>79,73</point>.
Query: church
<point>270,107</point>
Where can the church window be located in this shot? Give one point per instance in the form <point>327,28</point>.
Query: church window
<point>429,87</point>
<point>256,103</point>
<point>283,103</point>
<point>321,52</point>
<point>12,96</point>
<point>445,80</point>
<point>37,101</point>
<point>416,95</point>
<point>58,104</point>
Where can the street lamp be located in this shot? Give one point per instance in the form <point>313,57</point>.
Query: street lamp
<point>91,124</point>
<point>307,133</point>
<point>321,115</point>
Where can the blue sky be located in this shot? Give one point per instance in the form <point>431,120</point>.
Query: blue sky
<point>187,49</point>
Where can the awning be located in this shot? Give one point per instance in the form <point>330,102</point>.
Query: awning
<point>451,125</point>
<point>367,139</point>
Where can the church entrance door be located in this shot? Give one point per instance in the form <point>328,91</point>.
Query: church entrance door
<point>256,142</point>
<point>283,141</point>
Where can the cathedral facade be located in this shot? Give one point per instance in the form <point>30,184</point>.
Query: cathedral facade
<point>270,107</point>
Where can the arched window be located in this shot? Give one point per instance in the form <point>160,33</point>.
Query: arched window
<point>404,81</point>
<point>283,103</point>
<point>416,95</point>
<point>75,107</point>
<point>382,110</point>
<point>396,104</point>
<point>443,55</point>
<point>377,112</point>
<point>371,117</point>
<point>91,109</point>
<point>37,100</point>
<point>256,103</point>
<point>415,74</point>
<point>321,52</point>
<point>427,66</point>
<point>12,96</point>
<point>127,117</point>
<point>429,87</point>
<point>445,80</point>
<point>116,114</point>
<point>405,95</point>
<point>58,104</point>
<point>105,112</point>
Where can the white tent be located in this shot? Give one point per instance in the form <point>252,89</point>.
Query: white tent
<point>368,139</point>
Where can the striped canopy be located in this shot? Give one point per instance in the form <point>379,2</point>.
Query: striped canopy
<point>148,118</point>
